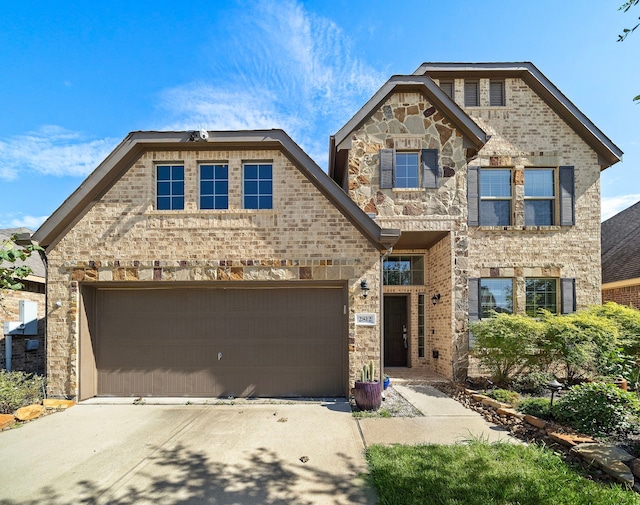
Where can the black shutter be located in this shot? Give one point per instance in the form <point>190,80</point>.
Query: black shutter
<point>567,196</point>
<point>447,87</point>
<point>568,296</point>
<point>430,168</point>
<point>474,304</point>
<point>473,197</point>
<point>471,95</point>
<point>496,93</point>
<point>387,174</point>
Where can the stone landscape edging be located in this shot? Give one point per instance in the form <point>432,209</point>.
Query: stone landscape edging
<point>607,457</point>
<point>34,411</point>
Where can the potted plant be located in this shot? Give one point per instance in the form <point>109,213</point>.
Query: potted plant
<point>367,392</point>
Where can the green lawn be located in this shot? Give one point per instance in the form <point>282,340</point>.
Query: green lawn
<point>484,474</point>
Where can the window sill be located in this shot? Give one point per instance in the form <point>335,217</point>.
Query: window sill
<point>408,190</point>
<point>200,212</point>
<point>521,228</point>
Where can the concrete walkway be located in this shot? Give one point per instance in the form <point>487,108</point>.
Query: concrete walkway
<point>445,421</point>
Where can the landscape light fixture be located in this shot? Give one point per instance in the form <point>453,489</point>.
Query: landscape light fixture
<point>365,288</point>
<point>435,298</point>
<point>554,386</point>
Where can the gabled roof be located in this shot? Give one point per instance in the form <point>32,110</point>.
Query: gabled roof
<point>473,134</point>
<point>608,152</point>
<point>136,143</point>
<point>620,239</point>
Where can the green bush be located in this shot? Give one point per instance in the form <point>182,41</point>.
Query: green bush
<point>533,383</point>
<point>506,344</point>
<point>504,396</point>
<point>597,408</point>
<point>627,320</point>
<point>579,343</point>
<point>18,389</point>
<point>539,407</point>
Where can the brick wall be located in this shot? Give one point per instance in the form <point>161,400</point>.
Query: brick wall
<point>23,360</point>
<point>122,238</point>
<point>625,295</point>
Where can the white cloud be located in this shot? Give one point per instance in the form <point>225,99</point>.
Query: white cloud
<point>615,204</point>
<point>51,150</point>
<point>22,221</point>
<point>296,71</point>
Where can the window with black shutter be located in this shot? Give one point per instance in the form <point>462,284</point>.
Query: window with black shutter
<point>409,169</point>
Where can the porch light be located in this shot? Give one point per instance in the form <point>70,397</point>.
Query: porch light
<point>435,298</point>
<point>365,288</point>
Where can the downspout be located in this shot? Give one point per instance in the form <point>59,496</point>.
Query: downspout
<point>382,258</point>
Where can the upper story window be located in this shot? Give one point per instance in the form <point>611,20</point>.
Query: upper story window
<point>541,294</point>
<point>496,295</point>
<point>496,94</point>
<point>447,87</point>
<point>170,187</point>
<point>417,169</point>
<point>214,186</point>
<point>471,93</point>
<point>495,197</point>
<point>407,170</point>
<point>539,197</point>
<point>403,270</point>
<point>258,186</point>
<point>548,194</point>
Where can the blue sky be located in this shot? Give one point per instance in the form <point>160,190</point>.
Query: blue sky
<point>76,77</point>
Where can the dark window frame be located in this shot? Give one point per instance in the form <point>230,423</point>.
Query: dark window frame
<point>495,198</point>
<point>486,305</point>
<point>401,276</point>
<point>168,185</point>
<point>550,298</point>
<point>220,200</point>
<point>260,198</point>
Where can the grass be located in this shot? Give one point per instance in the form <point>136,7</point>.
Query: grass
<point>484,474</point>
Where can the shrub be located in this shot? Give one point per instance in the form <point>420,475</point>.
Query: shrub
<point>504,396</point>
<point>597,408</point>
<point>506,344</point>
<point>627,320</point>
<point>539,407</point>
<point>18,389</point>
<point>577,342</point>
<point>534,383</point>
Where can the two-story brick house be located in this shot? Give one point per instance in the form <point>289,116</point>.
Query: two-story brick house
<point>229,263</point>
<point>492,175</point>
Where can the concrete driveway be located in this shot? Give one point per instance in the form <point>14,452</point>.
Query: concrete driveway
<point>187,454</point>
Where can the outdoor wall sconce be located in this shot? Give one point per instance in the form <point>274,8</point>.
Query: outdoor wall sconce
<point>365,288</point>
<point>554,386</point>
<point>435,298</point>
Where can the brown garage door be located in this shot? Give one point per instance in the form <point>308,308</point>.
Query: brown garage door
<point>220,342</point>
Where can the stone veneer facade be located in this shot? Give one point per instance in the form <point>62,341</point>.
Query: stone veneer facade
<point>124,239</point>
<point>524,133</point>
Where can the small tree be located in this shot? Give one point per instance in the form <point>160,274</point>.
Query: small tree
<point>506,344</point>
<point>12,268</point>
<point>580,343</point>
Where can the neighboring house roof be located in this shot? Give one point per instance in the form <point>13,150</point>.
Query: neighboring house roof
<point>136,143</point>
<point>38,271</point>
<point>608,152</point>
<point>620,239</point>
<point>474,136</point>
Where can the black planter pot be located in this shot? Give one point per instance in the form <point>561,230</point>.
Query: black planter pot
<point>368,395</point>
